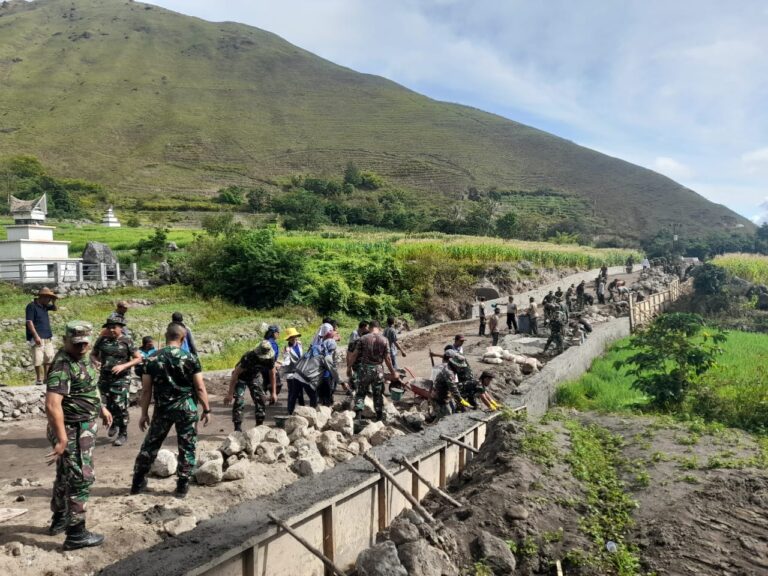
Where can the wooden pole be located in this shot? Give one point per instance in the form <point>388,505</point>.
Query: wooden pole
<point>460,443</point>
<point>444,495</point>
<point>408,496</point>
<point>327,561</point>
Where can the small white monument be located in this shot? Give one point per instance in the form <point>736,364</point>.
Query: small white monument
<point>30,253</point>
<point>110,220</point>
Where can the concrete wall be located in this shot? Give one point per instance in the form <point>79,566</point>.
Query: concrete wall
<point>341,510</point>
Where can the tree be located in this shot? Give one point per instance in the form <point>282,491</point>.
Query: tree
<point>230,195</point>
<point>352,175</point>
<point>506,225</point>
<point>301,210</point>
<point>157,244</point>
<point>223,223</point>
<point>258,199</point>
<point>710,280</point>
<point>670,355</point>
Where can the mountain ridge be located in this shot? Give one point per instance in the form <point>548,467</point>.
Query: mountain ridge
<point>152,102</point>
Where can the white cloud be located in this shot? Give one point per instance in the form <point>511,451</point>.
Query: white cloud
<point>756,161</point>
<point>672,168</point>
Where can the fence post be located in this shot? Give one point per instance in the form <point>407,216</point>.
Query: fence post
<point>134,271</point>
<point>117,271</point>
<point>56,274</point>
<point>21,273</point>
<point>79,267</point>
<point>631,312</point>
<point>103,272</point>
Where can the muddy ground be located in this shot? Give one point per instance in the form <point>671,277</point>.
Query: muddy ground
<point>700,501</point>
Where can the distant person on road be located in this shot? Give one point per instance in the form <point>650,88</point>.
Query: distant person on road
<point>604,272</point>
<point>72,404</point>
<point>511,315</point>
<point>115,355</point>
<point>533,316</point>
<point>493,325</point>
<point>248,373</point>
<point>601,291</point>
<point>646,264</point>
<point>481,314</point>
<point>174,379</point>
<point>394,346</point>
<point>38,332</point>
<point>458,346</point>
<point>188,345</point>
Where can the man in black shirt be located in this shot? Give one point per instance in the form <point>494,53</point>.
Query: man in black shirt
<point>39,335</point>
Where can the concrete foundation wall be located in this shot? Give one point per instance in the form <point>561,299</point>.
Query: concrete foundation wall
<point>341,510</point>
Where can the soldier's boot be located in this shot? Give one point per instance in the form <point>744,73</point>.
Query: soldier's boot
<point>78,537</point>
<point>112,430</point>
<point>58,523</point>
<point>238,426</point>
<point>139,484</point>
<point>182,488</point>
<point>122,437</point>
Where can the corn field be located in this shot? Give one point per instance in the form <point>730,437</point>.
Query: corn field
<point>752,267</point>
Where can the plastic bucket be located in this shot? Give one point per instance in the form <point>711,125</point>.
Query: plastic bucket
<point>396,394</point>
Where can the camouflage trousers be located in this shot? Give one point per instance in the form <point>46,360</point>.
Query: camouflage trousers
<point>186,435</point>
<point>74,471</point>
<point>114,397</point>
<point>470,390</point>
<point>369,380</point>
<point>556,338</point>
<point>257,394</point>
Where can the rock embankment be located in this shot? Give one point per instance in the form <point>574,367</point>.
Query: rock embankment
<point>22,402</point>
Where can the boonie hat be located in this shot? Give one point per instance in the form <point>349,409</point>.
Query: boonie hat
<point>45,291</point>
<point>291,333</point>
<point>264,351</point>
<point>78,331</point>
<point>113,320</point>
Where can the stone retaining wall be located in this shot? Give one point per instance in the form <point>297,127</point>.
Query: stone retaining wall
<point>22,402</point>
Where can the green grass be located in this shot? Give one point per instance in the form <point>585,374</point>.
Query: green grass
<point>156,105</point>
<point>734,392</point>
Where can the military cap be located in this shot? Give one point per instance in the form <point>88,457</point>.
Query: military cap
<point>78,331</point>
<point>264,350</point>
<point>114,320</point>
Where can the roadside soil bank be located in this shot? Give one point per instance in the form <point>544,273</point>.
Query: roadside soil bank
<point>603,495</point>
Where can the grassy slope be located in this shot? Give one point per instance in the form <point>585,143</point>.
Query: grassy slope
<point>739,391</point>
<point>156,104</point>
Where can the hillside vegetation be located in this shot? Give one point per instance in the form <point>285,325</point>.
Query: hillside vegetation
<point>164,110</point>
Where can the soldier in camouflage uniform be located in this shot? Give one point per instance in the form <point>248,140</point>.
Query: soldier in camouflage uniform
<point>116,354</point>
<point>72,404</point>
<point>471,388</point>
<point>371,351</point>
<point>249,373</point>
<point>174,378</point>
<point>446,385</point>
<point>557,322</point>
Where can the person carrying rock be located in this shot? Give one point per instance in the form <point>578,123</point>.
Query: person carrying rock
<point>174,379</point>
<point>557,321</point>
<point>372,350</point>
<point>511,315</point>
<point>249,372</point>
<point>116,354</point>
<point>72,404</point>
<point>38,332</point>
<point>446,385</point>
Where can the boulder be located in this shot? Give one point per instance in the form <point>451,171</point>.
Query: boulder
<point>309,413</point>
<point>180,525</point>
<point>254,437</point>
<point>414,420</point>
<point>98,253</point>
<point>293,422</point>
<point>329,443</point>
<point>207,456</point>
<point>371,429</point>
<point>403,530</point>
<point>515,512</point>
<point>269,452</point>
<point>305,447</point>
<point>368,410</point>
<point>322,417</point>
<point>364,445</point>
<point>494,552</point>
<point>277,436</point>
<point>164,465</point>
<point>380,560</point>
<point>383,435</point>
<point>420,559</point>
<point>343,422</point>
<point>309,465</point>
<point>391,413</point>
<point>237,471</point>
<point>210,473</point>
<point>233,444</point>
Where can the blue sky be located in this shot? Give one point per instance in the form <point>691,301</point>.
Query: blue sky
<point>680,86</point>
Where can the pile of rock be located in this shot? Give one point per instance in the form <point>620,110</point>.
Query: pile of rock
<point>498,355</point>
<point>653,281</point>
<point>311,441</point>
<point>22,402</point>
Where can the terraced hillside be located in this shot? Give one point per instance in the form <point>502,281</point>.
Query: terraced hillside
<point>155,104</point>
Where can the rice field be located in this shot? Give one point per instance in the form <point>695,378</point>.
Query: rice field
<point>752,267</point>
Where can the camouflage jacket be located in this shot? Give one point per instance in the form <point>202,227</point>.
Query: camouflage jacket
<point>111,353</point>
<point>446,384</point>
<point>76,381</point>
<point>253,367</point>
<point>171,370</point>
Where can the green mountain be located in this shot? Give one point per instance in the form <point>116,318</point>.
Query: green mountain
<point>154,104</point>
